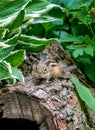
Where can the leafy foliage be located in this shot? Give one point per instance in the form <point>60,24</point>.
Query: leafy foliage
<point>11,18</point>
<point>84,93</point>
<point>77,34</point>
<point>16,18</point>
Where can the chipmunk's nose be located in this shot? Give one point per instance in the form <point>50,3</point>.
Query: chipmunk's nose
<point>40,75</point>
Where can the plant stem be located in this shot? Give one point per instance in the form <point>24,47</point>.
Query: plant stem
<point>91,30</point>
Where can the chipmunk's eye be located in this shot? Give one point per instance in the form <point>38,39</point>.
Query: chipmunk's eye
<point>45,69</point>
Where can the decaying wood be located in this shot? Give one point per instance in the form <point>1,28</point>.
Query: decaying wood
<point>58,97</point>
<point>20,106</point>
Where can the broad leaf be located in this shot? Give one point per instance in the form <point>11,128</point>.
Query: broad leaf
<point>17,74</point>
<point>84,94</point>
<point>16,58</point>
<point>71,4</point>
<point>2,33</point>
<point>88,50</point>
<point>43,12</point>
<point>30,47</point>
<point>41,7</point>
<point>67,37</point>
<point>5,50</point>
<point>44,19</point>
<point>17,21</point>
<point>8,7</point>
<point>33,44</point>
<point>37,5</point>
<point>53,22</point>
<point>36,40</point>
<point>56,1</point>
<point>12,40</point>
<point>78,52</point>
<point>11,80</point>
<point>5,70</point>
<point>12,13</point>
<point>84,60</point>
<point>82,39</point>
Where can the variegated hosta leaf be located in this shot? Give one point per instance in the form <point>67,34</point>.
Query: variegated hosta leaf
<point>13,40</point>
<point>5,70</point>
<point>43,19</point>
<point>40,8</point>
<point>2,32</point>
<point>13,35</point>
<point>5,50</point>
<point>12,21</point>
<point>17,74</point>
<point>12,13</point>
<point>16,58</point>
<point>36,40</point>
<point>33,44</point>
<point>11,80</point>
<point>40,12</point>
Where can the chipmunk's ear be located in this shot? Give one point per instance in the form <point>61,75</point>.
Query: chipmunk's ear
<point>51,62</point>
<point>48,62</point>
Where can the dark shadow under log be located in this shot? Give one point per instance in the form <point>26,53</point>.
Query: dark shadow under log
<point>9,123</point>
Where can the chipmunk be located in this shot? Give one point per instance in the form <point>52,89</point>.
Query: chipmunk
<point>46,69</point>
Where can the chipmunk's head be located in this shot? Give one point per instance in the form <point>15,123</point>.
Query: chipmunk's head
<point>41,68</point>
<point>46,69</point>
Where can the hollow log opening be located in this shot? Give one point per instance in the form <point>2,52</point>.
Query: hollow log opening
<point>9,123</point>
<point>21,111</point>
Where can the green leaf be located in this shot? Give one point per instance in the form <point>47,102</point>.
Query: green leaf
<point>13,35</point>
<point>71,47</point>
<point>13,21</point>
<point>76,40</point>
<point>37,5</point>
<point>56,1</point>
<point>17,21</point>
<point>82,39</point>
<point>87,129</point>
<point>8,7</point>
<point>2,33</point>
<point>12,13</point>
<point>84,94</point>
<point>51,23</point>
<point>33,44</point>
<point>36,40</point>
<point>5,50</point>
<point>16,58</point>
<point>30,47</point>
<point>11,80</point>
<point>85,60</point>
<point>67,37</point>
<point>41,7</point>
<point>71,4</point>
<point>88,50</point>
<point>78,52</point>
<point>17,74</point>
<point>45,20</point>
<point>12,40</point>
<point>43,12</point>
<point>5,70</point>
